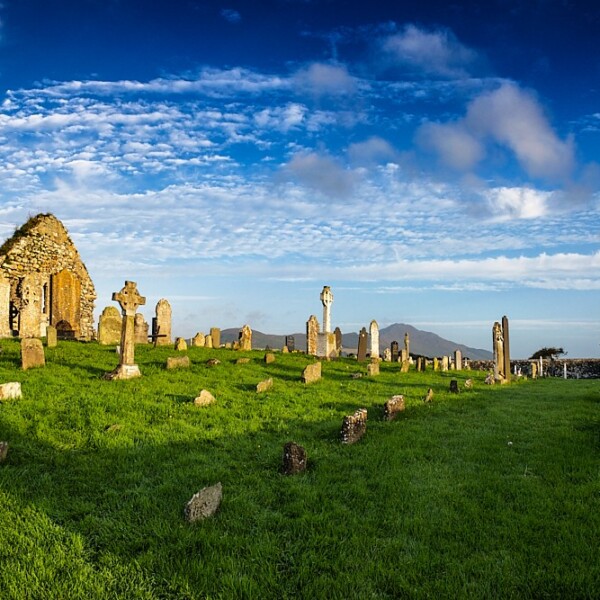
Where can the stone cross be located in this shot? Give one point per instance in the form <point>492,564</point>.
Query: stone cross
<point>327,301</point>
<point>129,300</point>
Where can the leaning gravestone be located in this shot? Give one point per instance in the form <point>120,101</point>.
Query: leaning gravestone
<point>198,340</point>
<point>51,337</point>
<point>312,373</point>
<point>392,407</point>
<point>294,459</point>
<point>204,504</point>
<point>354,426</point>
<point>32,353</point>
<point>180,344</point>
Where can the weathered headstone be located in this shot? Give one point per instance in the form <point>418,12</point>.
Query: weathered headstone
<point>392,407</point>
<point>245,338</point>
<point>161,324</point>
<point>180,344</point>
<point>453,386</point>
<point>110,325</point>
<point>373,367</point>
<point>429,396</point>
<point>374,338</point>
<point>129,299</point>
<point>490,379</point>
<point>362,345</point>
<point>215,334</point>
<point>290,343</point>
<point>264,386</point>
<point>337,332</point>
<point>10,390</point>
<point>312,334</point>
<point>204,504</point>
<point>269,358</point>
<point>419,364</point>
<point>311,373</point>
<point>444,363</point>
<point>213,362</point>
<point>32,353</point>
<point>51,337</point>
<point>387,355</point>
<point>354,426</point>
<point>204,398</point>
<point>458,360</point>
<point>436,364</point>
<point>178,362</point>
<point>285,350</point>
<point>208,342</point>
<point>394,349</point>
<point>506,335</point>
<point>533,370</point>
<point>242,361</point>
<point>294,459</point>
<point>198,340</point>
<point>407,345</point>
<point>469,384</point>
<point>140,328</point>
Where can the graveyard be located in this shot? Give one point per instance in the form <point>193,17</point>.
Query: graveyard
<point>402,489</point>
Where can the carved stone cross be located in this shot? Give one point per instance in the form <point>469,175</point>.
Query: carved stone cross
<point>129,299</point>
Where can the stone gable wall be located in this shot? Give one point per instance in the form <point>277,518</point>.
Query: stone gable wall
<point>42,249</point>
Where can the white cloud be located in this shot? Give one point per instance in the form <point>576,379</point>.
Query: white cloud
<point>455,145</point>
<point>520,203</point>
<point>374,150</point>
<point>322,79</point>
<point>436,53</point>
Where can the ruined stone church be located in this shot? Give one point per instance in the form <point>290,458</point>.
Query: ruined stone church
<point>43,281</point>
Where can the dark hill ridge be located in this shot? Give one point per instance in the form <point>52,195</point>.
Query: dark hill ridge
<point>423,343</point>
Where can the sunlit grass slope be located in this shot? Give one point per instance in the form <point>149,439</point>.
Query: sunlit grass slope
<point>494,492</point>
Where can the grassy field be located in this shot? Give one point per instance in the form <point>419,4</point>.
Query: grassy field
<point>491,493</point>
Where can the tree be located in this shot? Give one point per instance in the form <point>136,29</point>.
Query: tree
<point>551,353</point>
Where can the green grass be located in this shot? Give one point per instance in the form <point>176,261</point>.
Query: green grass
<point>494,492</point>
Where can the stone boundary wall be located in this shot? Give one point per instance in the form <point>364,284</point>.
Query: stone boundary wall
<point>577,368</point>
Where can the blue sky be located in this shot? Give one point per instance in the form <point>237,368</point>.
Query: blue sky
<point>436,165</point>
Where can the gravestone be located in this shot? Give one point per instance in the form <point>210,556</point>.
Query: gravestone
<point>242,361</point>
<point>458,360</point>
<point>161,324</point>
<point>110,325</point>
<point>204,504</point>
<point>444,363</point>
<point>204,398</point>
<point>198,340</point>
<point>51,337</point>
<point>407,345</point>
<point>403,356</point>
<point>10,390</point>
<point>374,339</point>
<point>453,386</point>
<point>32,353</point>
<point>326,301</point>
<point>394,349</point>
<point>140,328</point>
<point>264,386</point>
<point>245,338</point>
<point>469,384</point>
<point>533,370</point>
<point>215,334</point>
<point>294,459</point>
<point>269,358</point>
<point>208,342</point>
<point>373,367</point>
<point>312,334</point>
<point>362,345</point>
<point>285,350</point>
<point>180,344</point>
<point>392,407</point>
<point>178,362</point>
<point>354,426</point>
<point>419,364</point>
<point>290,343</point>
<point>429,396</point>
<point>387,355</point>
<point>129,299</point>
<point>506,347</point>
<point>311,373</point>
<point>405,366</point>
<point>337,334</point>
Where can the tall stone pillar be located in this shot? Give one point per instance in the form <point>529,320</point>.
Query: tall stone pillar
<point>506,357</point>
<point>374,338</point>
<point>327,300</point>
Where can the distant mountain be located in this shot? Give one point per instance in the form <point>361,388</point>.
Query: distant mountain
<point>422,343</point>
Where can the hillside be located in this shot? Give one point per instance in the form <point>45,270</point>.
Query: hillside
<point>423,343</point>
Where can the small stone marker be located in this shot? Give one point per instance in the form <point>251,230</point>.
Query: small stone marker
<point>469,384</point>
<point>180,344</point>
<point>428,396</point>
<point>11,390</point>
<point>178,362</point>
<point>392,407</point>
<point>312,373</point>
<point>3,451</point>
<point>242,361</point>
<point>453,386</point>
<point>51,336</point>
<point>204,398</point>
<point>354,426</point>
<point>387,355</point>
<point>356,375</point>
<point>32,353</point>
<point>213,362</point>
<point>294,459</point>
<point>269,358</point>
<point>490,379</point>
<point>264,386</point>
<point>285,350</point>
<point>373,367</point>
<point>204,504</point>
